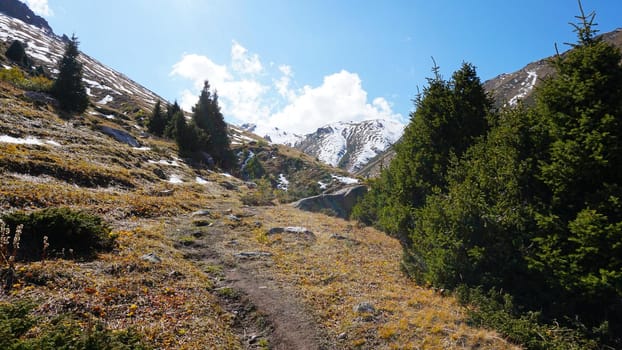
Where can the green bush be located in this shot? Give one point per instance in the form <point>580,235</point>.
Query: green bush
<point>497,310</point>
<point>72,233</point>
<point>262,195</point>
<point>18,78</point>
<point>16,323</point>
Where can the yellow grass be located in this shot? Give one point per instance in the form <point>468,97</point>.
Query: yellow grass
<point>333,276</point>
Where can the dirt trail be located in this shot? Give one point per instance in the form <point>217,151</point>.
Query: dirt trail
<point>264,309</point>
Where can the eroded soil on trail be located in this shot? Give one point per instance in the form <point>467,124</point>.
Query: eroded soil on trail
<point>299,280</point>
<point>267,312</point>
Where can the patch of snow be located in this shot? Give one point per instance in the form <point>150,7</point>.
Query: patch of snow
<point>251,154</point>
<point>144,148</point>
<point>241,139</point>
<point>279,136</point>
<point>6,67</point>
<point>20,141</point>
<point>201,181</point>
<point>27,141</point>
<point>109,116</point>
<point>53,143</point>
<point>105,100</point>
<point>88,91</point>
<point>283,183</point>
<point>526,87</point>
<point>40,57</point>
<point>165,162</point>
<point>175,179</point>
<point>226,175</point>
<point>345,180</point>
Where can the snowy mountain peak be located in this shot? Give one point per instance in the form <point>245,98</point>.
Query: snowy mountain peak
<point>350,145</point>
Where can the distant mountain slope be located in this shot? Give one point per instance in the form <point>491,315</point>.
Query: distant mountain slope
<point>347,145</point>
<point>511,87</point>
<point>105,86</point>
<point>350,145</point>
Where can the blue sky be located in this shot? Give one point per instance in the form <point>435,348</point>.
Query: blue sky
<point>300,64</point>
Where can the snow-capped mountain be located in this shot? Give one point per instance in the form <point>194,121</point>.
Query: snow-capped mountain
<point>104,85</point>
<point>350,145</point>
<point>347,145</point>
<point>274,134</point>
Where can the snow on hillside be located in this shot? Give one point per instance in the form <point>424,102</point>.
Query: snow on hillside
<point>350,145</point>
<point>525,87</point>
<point>274,134</point>
<point>47,49</point>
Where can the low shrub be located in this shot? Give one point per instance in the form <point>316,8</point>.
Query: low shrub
<point>263,194</point>
<point>17,332</point>
<point>71,234</point>
<point>18,78</point>
<point>496,310</point>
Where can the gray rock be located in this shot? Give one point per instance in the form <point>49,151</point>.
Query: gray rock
<point>120,135</point>
<point>160,173</point>
<point>228,185</point>
<point>151,257</point>
<point>297,230</point>
<point>248,255</point>
<point>201,223</point>
<point>233,218</point>
<point>340,202</point>
<point>344,238</point>
<point>164,193</point>
<point>202,212</point>
<point>41,98</point>
<point>365,307</point>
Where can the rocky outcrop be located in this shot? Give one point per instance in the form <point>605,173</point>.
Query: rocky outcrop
<point>19,10</point>
<point>339,203</point>
<point>120,135</point>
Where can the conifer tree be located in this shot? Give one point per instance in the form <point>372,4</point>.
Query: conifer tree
<point>207,117</point>
<point>17,53</point>
<point>171,110</point>
<point>157,121</point>
<point>68,87</point>
<point>449,116</point>
<point>579,242</point>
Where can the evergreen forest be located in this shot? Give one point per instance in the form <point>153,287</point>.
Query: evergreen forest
<point>517,210</point>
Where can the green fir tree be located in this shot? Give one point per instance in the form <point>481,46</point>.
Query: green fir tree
<point>68,87</point>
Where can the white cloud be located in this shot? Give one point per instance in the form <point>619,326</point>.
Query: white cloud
<point>242,62</point>
<point>340,98</point>
<point>268,99</point>
<point>187,100</point>
<point>282,84</point>
<point>200,68</point>
<point>40,7</point>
